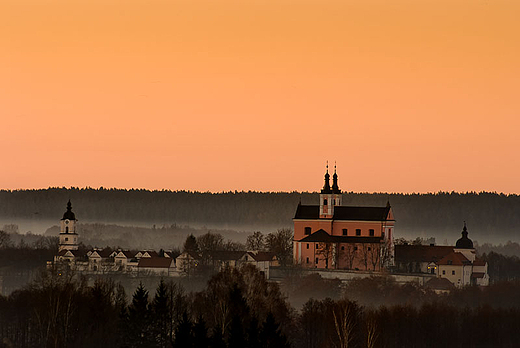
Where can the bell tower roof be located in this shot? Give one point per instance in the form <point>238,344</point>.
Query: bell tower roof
<point>69,215</point>
<point>464,242</point>
<point>335,187</point>
<point>326,186</point>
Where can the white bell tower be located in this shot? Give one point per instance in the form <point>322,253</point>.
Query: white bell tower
<point>68,235</point>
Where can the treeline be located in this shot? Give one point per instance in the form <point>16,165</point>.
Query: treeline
<point>239,308</point>
<point>489,215</point>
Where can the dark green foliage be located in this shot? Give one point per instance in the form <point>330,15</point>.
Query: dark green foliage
<point>270,335</point>
<point>191,244</point>
<point>184,333</point>
<point>139,319</point>
<point>200,334</point>
<point>161,316</point>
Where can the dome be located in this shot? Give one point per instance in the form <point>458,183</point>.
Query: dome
<point>69,215</point>
<point>464,242</point>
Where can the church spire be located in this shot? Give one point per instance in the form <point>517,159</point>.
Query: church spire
<point>335,187</point>
<point>326,186</point>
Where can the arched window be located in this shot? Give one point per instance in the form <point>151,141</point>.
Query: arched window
<point>67,229</point>
<point>325,202</point>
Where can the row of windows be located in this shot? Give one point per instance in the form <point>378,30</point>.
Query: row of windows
<point>371,232</point>
<point>444,272</point>
<point>342,248</point>
<point>325,202</point>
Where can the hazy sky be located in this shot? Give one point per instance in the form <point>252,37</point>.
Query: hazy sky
<point>409,96</point>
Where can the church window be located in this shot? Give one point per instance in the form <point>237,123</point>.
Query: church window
<point>452,272</point>
<point>345,231</point>
<point>369,248</point>
<point>67,229</point>
<point>316,260</point>
<point>325,202</point>
<point>342,248</point>
<point>307,245</point>
<point>307,230</point>
<point>443,272</point>
<point>371,232</point>
<point>358,232</point>
<point>307,260</point>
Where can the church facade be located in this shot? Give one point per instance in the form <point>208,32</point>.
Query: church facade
<point>333,236</point>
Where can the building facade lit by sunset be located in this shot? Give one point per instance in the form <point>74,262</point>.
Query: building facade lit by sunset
<point>333,236</point>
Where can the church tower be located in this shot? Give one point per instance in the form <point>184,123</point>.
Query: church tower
<point>326,197</point>
<point>68,235</point>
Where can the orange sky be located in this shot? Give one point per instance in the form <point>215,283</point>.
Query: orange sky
<point>407,96</point>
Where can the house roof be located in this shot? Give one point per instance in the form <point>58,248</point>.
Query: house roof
<point>63,252</point>
<point>322,236</point>
<point>191,254</point>
<point>439,284</point>
<point>312,212</point>
<point>454,259</point>
<point>477,275</point>
<point>103,253</point>
<point>262,255</point>
<point>156,262</point>
<point>226,255</point>
<point>152,253</point>
<point>421,253</point>
<point>127,253</point>
<point>479,262</point>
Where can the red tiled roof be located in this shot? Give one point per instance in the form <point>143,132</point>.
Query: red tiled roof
<point>155,262</point>
<point>421,253</point>
<point>455,259</point>
<point>62,252</point>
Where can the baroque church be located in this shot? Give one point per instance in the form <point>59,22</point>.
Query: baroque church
<point>333,236</point>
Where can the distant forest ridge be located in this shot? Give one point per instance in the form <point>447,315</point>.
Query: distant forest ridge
<point>491,217</point>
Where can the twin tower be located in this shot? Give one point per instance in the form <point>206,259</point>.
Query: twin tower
<point>330,197</point>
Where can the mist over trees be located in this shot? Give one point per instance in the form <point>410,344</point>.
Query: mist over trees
<point>491,217</point>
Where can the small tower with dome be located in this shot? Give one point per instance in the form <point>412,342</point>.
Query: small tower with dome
<point>464,245</point>
<point>68,235</point>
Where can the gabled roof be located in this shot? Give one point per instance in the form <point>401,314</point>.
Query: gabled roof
<point>152,253</point>
<point>225,255</point>
<point>63,252</point>
<point>105,253</point>
<point>454,259</point>
<point>262,255</point>
<point>156,262</point>
<point>322,236</point>
<point>421,253</point>
<point>312,212</point>
<point>126,253</point>
<point>439,284</point>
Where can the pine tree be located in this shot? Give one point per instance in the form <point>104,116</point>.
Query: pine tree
<point>184,333</point>
<point>161,315</point>
<point>217,341</point>
<point>200,333</point>
<point>270,336</point>
<point>139,319</point>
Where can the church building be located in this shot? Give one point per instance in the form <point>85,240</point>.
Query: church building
<point>333,236</point>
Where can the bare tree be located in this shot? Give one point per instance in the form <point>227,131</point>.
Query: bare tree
<point>344,322</point>
<point>348,253</point>
<point>5,240</point>
<point>374,254</point>
<point>365,254</point>
<point>281,243</point>
<point>255,241</point>
<point>325,251</point>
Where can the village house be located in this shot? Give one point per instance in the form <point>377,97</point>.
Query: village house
<point>458,264</point>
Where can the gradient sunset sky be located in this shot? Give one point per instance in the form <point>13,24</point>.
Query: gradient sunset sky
<point>406,96</point>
